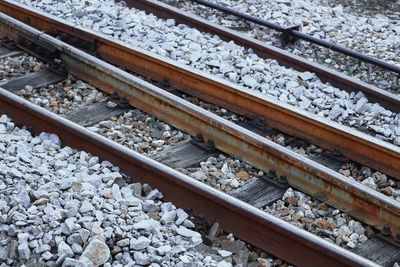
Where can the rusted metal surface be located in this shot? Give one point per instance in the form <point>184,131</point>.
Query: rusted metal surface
<point>359,201</point>
<point>248,223</point>
<point>359,147</point>
<point>337,79</point>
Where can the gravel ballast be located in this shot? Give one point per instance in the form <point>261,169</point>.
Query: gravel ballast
<point>373,179</point>
<point>14,67</point>
<point>145,134</point>
<point>229,61</point>
<point>227,174</point>
<point>66,207</point>
<point>223,173</point>
<point>140,131</point>
<point>61,191</point>
<point>369,27</point>
<point>376,35</point>
<point>63,97</point>
<point>62,205</point>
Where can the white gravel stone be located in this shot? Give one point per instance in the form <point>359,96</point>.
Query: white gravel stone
<point>97,253</point>
<point>80,223</point>
<point>164,250</point>
<point>168,217</point>
<point>139,243</point>
<point>3,129</point>
<point>76,248</point>
<point>86,207</point>
<point>183,231</point>
<point>142,259</point>
<point>224,253</point>
<point>24,251</point>
<point>369,182</point>
<point>64,250</point>
<point>149,225</point>
<point>182,216</point>
<point>316,217</point>
<point>47,255</point>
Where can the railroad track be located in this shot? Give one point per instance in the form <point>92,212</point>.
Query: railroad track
<point>328,135</point>
<point>112,80</point>
<point>330,54</point>
<point>292,34</point>
<point>260,48</point>
<point>195,121</point>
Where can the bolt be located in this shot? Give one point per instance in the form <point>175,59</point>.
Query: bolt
<point>337,152</point>
<point>271,174</point>
<point>114,96</point>
<point>386,231</point>
<point>210,144</point>
<point>124,101</point>
<point>282,180</point>
<point>199,138</point>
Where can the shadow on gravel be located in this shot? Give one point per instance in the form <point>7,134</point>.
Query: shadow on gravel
<point>390,8</point>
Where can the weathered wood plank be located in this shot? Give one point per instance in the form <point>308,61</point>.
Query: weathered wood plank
<point>9,53</point>
<point>259,193</point>
<point>95,113</point>
<point>379,250</point>
<point>34,79</point>
<point>183,155</point>
<point>4,50</point>
<point>329,160</point>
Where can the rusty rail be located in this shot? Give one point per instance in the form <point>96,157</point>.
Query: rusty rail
<point>357,146</point>
<point>335,78</point>
<point>248,223</point>
<point>359,201</point>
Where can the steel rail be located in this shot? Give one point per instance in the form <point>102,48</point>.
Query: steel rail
<point>349,196</point>
<point>340,80</point>
<point>248,223</point>
<point>357,146</point>
<point>300,35</point>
